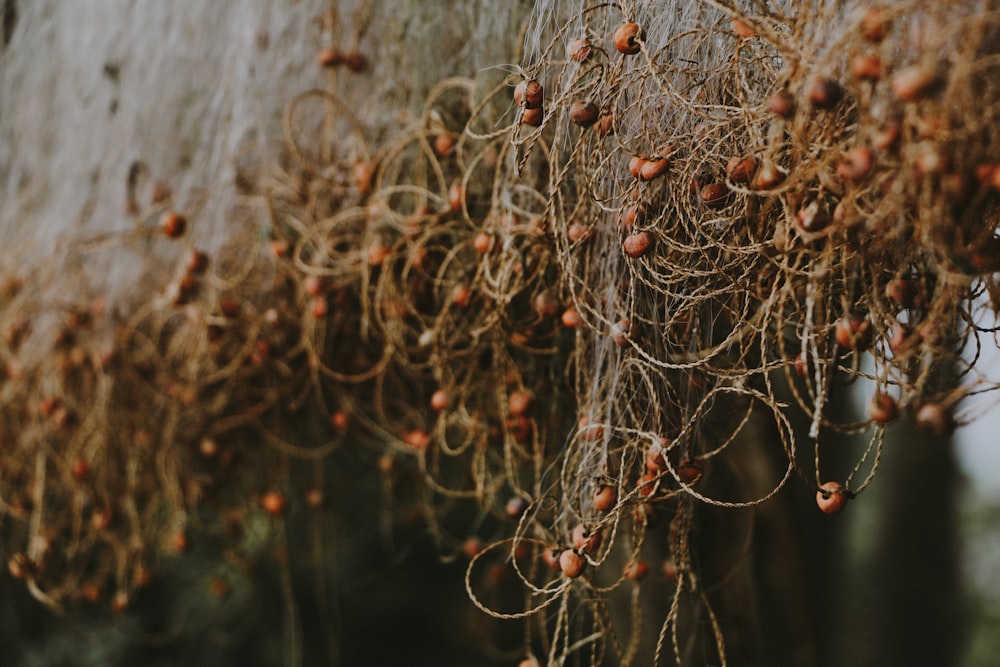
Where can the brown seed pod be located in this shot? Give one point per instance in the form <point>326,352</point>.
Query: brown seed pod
<point>461,296</point>
<point>444,144</point>
<point>456,197</point>
<point>874,25</point>
<point>483,242</point>
<point>768,177</point>
<point>605,498</point>
<point>364,174</point>
<point>914,82</point>
<point>715,195</point>
<point>273,503</point>
<point>329,58</point>
<point>571,318</point>
<point>627,38</point>
<point>690,471</point>
<point>519,402</point>
<point>742,29</point>
<point>635,164</point>
<point>831,497</point>
<point>620,331</point>
<point>606,123</point>
<point>931,160</point>
<point>638,244</point>
<point>529,94</point>
<point>586,540</point>
<point>813,218</point>
<point>886,138</point>
<point>173,225</point>
<point>196,263</point>
<point>648,484</point>
<point>854,331</point>
<point>515,507</point>
<point>802,364</point>
<point>578,232</point>
<point>781,104</point>
<point>856,165</point>
<point>440,400</point>
<point>355,61</point>
<point>653,167</point>
<point>579,50</point>
<point>633,216</point>
<point>741,169</point>
<point>550,556</point>
<point>378,253</point>
<point>935,419</point>
<point>533,117</point>
<point>583,113</point>
<point>866,67</point>
<point>571,563</point>
<point>417,438</point>
<point>825,93</point>
<point>546,304</point>
<point>883,408</point>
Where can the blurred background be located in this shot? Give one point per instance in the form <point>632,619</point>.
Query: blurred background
<point>193,90</point>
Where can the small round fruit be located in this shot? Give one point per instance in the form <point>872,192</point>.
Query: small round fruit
<point>825,93</point>
<point>315,498</point>
<point>802,364</point>
<point>472,547</point>
<point>80,469</point>
<point>417,438</point>
<point>831,497</point>
<point>935,419</point>
<point>605,498</point>
<point>516,506</point>
<point>768,177</point>
<point>586,540</point>
<point>529,94</point>
<point>173,225</point>
<point>741,169</point>
<point>550,556</point>
<point>571,318</point>
<point>620,331</point>
<point>637,571</point>
<point>874,25</point>
<point>578,232</point>
<point>355,61</point>
<point>653,168</point>
<point>273,503</point>
<point>533,117</point>
<point>547,304</point>
<point>781,104</point>
<point>857,163</point>
<point>627,38</point>
<point>715,195</point>
<point>854,331</point>
<point>912,83</point>
<point>866,67</point>
<point>329,58</point>
<point>571,563</point>
<point>444,144</point>
<point>638,244</point>
<point>690,471</point>
<point>583,113</point>
<point>579,50</point>
<point>519,402</point>
<point>742,29</point>
<point>883,408</point>
<point>440,400</point>
<point>482,243</point>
